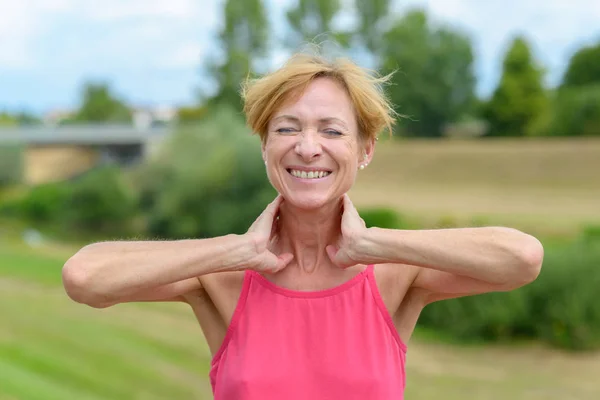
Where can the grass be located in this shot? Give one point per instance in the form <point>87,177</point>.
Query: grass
<point>548,187</point>
<point>52,348</point>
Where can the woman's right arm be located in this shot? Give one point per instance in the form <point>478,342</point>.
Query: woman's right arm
<point>106,273</point>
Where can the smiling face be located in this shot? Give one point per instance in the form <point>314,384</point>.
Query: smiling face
<point>313,150</point>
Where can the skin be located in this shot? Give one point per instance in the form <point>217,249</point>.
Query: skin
<point>309,238</point>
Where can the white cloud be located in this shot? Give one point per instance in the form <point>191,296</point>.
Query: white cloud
<point>118,9</point>
<point>151,39</point>
<point>17,28</point>
<point>184,55</point>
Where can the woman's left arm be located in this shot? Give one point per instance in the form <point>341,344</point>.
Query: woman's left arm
<point>455,262</point>
<point>461,261</point>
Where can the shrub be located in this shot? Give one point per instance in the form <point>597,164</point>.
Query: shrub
<point>591,233</point>
<point>382,218</point>
<point>208,180</point>
<point>11,164</point>
<point>97,202</point>
<point>560,307</point>
<point>100,201</point>
<point>42,203</point>
<point>573,112</point>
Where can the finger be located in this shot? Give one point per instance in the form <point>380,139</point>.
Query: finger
<point>277,263</point>
<point>264,222</point>
<point>331,252</point>
<point>339,258</point>
<point>335,256</point>
<point>348,205</point>
<point>283,260</point>
<point>273,206</point>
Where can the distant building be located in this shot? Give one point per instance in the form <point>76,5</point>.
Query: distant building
<point>59,153</point>
<point>56,116</point>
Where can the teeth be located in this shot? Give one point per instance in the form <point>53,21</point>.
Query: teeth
<point>310,174</point>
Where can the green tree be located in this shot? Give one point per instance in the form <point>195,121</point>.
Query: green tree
<point>244,39</point>
<point>520,98</point>
<point>20,118</point>
<point>371,24</point>
<point>99,104</point>
<point>312,20</point>
<point>434,81</point>
<point>208,180</point>
<point>583,68</point>
<point>7,119</point>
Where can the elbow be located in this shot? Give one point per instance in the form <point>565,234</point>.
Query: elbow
<point>531,259</point>
<point>78,282</point>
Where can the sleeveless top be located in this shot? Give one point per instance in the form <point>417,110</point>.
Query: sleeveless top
<point>338,343</point>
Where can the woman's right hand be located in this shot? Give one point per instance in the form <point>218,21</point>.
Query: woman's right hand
<point>263,233</point>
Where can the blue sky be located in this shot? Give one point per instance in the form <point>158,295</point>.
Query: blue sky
<point>151,50</point>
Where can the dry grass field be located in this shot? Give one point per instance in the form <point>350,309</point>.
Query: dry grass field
<point>544,186</point>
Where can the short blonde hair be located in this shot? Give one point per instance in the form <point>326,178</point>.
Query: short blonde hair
<point>263,96</point>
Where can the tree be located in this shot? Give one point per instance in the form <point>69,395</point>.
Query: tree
<point>99,105</point>
<point>206,181</point>
<point>7,119</point>
<point>434,82</point>
<point>371,25</point>
<point>20,118</point>
<point>520,98</point>
<point>583,68</point>
<point>244,40</point>
<point>312,18</point>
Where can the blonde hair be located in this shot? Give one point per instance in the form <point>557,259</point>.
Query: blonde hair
<point>263,96</point>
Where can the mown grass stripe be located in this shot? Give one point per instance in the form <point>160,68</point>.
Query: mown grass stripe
<point>105,353</point>
<point>22,382</point>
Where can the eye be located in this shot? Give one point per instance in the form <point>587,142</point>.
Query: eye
<point>285,130</point>
<point>333,132</point>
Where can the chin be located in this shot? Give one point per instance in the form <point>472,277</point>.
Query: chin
<point>309,201</point>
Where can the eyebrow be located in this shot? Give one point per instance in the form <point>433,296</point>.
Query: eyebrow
<point>322,120</point>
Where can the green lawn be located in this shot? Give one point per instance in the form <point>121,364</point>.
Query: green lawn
<point>52,348</point>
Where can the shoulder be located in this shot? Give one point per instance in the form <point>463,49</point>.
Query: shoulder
<point>395,282</point>
<point>223,286</point>
<point>395,276</point>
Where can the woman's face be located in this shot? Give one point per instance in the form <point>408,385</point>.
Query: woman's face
<point>313,151</point>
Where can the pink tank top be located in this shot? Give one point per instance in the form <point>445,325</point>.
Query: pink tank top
<point>337,343</point>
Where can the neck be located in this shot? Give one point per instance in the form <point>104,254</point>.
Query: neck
<point>306,233</point>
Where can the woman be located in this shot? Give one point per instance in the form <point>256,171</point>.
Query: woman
<point>309,303</point>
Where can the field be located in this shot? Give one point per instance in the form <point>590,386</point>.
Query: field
<point>52,348</point>
<point>544,187</point>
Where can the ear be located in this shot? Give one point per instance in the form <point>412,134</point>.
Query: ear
<point>368,149</point>
<point>263,146</point>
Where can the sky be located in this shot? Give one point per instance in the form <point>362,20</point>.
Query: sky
<point>151,51</point>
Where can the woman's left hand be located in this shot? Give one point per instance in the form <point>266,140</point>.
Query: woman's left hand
<point>345,253</point>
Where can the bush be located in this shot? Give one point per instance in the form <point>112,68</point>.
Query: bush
<point>382,218</point>
<point>591,233</point>
<point>97,202</point>
<point>42,203</point>
<point>573,112</point>
<point>11,164</point>
<point>100,201</point>
<point>560,307</point>
<point>209,180</point>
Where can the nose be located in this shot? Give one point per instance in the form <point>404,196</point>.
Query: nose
<point>308,146</point>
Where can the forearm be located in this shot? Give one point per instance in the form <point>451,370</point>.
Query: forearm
<point>491,254</point>
<point>113,270</point>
